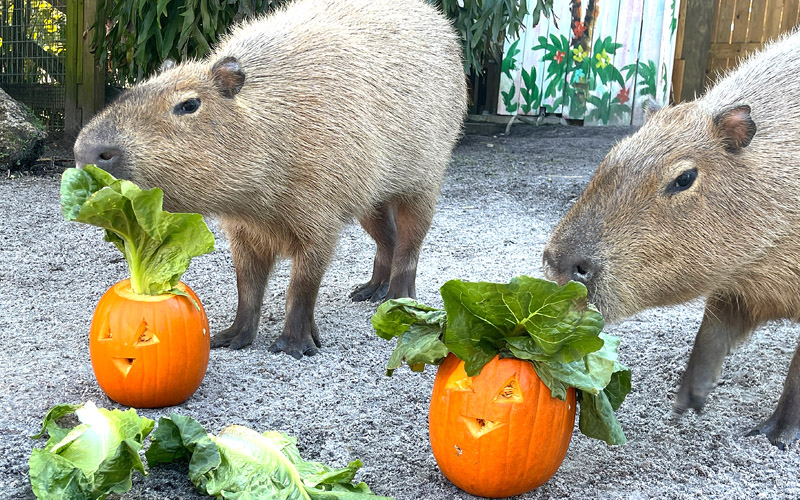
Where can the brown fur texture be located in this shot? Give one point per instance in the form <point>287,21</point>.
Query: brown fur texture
<point>299,121</point>
<point>639,238</point>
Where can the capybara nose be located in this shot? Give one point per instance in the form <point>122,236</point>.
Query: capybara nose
<point>105,157</point>
<point>562,268</point>
<point>582,270</point>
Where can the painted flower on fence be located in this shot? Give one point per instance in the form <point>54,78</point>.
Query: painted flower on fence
<point>559,57</point>
<point>578,29</point>
<point>578,54</point>
<point>602,59</point>
<point>622,95</point>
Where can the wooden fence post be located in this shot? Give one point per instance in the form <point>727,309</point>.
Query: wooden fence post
<point>693,53</point>
<point>84,79</point>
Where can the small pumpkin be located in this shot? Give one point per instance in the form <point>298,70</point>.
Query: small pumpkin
<point>500,433</point>
<point>149,351</point>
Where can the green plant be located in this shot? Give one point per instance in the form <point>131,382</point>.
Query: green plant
<point>138,35</point>
<point>553,327</point>
<point>91,459</point>
<point>484,26</point>
<point>157,245</point>
<point>607,109</point>
<point>646,72</point>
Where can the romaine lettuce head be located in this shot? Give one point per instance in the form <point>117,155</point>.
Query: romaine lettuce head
<point>241,463</point>
<point>157,245</point>
<point>92,459</point>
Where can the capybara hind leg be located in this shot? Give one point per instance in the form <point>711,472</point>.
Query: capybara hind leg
<point>381,226</point>
<point>783,427</point>
<point>300,335</point>
<point>725,322</point>
<point>253,261</point>
<point>413,222</point>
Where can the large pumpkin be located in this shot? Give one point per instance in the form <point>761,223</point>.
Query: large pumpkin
<point>149,351</point>
<point>500,433</point>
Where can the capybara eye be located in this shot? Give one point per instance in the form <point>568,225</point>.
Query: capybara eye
<point>684,181</point>
<point>188,106</point>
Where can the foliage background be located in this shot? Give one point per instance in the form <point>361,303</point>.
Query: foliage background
<point>139,34</point>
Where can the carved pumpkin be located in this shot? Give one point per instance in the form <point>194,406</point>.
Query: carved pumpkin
<point>149,351</point>
<point>500,433</point>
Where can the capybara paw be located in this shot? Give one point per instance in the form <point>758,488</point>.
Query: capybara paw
<point>370,291</point>
<point>780,433</point>
<point>688,399</point>
<point>233,338</point>
<point>296,347</point>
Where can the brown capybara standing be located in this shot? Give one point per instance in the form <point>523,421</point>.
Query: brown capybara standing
<point>324,111</point>
<point>702,201</point>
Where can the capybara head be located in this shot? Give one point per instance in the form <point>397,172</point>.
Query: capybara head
<point>185,116</point>
<point>678,210</point>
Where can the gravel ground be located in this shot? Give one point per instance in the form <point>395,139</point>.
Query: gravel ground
<point>502,197</point>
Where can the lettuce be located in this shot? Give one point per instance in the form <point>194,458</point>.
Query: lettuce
<point>157,245</point>
<point>91,459</point>
<point>240,463</point>
<point>553,327</point>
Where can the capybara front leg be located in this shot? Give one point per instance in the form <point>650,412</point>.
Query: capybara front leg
<point>783,427</point>
<point>381,226</point>
<point>253,262</point>
<point>300,336</point>
<point>724,324</point>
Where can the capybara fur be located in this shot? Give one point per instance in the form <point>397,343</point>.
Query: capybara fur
<point>298,121</point>
<point>702,201</point>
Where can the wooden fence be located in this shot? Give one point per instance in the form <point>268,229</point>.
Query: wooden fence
<point>596,63</point>
<point>713,35</point>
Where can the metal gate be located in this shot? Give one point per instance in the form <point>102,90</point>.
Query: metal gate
<point>32,56</point>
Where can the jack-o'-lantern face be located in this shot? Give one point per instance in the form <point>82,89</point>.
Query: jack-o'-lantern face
<point>500,433</point>
<point>149,351</point>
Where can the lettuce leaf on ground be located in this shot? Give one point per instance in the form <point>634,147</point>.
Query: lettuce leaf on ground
<point>91,459</point>
<point>157,245</point>
<point>241,463</point>
<point>554,327</point>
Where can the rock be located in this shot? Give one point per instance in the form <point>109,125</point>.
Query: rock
<point>21,135</point>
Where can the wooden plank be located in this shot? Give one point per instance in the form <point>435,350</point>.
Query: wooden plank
<point>72,116</point>
<point>533,61</point>
<point>606,28</point>
<point>648,58</point>
<point>677,79</point>
<point>732,50</point>
<point>772,25</point>
<point>681,31</point>
<point>508,100</point>
<point>741,20</point>
<point>667,54</point>
<point>561,32</point>
<point>700,21</point>
<point>758,15</point>
<point>789,17</point>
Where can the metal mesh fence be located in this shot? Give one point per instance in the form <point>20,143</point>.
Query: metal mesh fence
<point>32,56</point>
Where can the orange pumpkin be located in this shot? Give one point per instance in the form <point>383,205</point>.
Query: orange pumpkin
<point>500,433</point>
<point>149,351</point>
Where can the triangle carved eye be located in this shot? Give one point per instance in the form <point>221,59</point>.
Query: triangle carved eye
<point>144,335</point>
<point>510,393</point>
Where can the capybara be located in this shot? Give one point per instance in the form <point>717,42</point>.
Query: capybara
<point>702,201</point>
<point>298,121</point>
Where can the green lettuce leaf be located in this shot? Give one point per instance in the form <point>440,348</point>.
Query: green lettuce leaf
<point>240,463</point>
<point>535,319</point>
<point>91,459</point>
<point>418,329</point>
<point>157,245</point>
<point>554,327</point>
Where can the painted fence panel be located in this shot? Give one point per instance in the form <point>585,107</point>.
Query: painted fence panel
<point>598,61</point>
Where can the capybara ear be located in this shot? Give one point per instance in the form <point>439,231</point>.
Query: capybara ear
<point>228,76</point>
<point>167,64</point>
<point>735,126</point>
<point>650,106</point>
